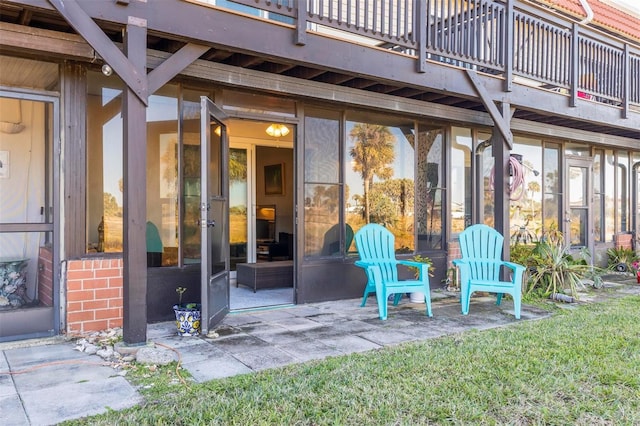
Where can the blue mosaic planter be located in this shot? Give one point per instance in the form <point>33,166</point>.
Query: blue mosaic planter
<point>187,319</point>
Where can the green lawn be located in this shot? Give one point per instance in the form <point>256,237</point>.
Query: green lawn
<point>577,367</point>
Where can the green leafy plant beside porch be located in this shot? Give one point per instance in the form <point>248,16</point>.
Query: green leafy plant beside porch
<point>622,259</point>
<point>553,269</point>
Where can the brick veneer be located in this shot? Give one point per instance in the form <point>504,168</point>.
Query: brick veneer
<point>454,252</point>
<point>45,276</point>
<point>94,295</point>
<point>622,241</point>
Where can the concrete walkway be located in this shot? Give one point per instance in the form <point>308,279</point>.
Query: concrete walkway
<point>48,382</point>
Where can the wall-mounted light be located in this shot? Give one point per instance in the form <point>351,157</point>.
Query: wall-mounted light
<point>107,70</point>
<point>218,131</point>
<point>277,130</point>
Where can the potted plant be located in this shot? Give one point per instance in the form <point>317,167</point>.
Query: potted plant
<point>417,296</point>
<point>187,316</point>
<point>451,279</point>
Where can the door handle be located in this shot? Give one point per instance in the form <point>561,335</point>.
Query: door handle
<point>204,223</point>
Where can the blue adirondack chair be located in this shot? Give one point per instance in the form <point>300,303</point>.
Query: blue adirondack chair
<point>375,246</point>
<point>481,265</point>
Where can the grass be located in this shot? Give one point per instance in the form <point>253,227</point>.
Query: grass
<point>580,366</point>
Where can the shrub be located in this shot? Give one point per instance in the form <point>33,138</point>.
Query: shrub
<point>621,259</point>
<point>555,269</point>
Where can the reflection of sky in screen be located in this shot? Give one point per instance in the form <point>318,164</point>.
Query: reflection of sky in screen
<point>237,194</point>
<point>458,167</point>
<point>112,154</point>
<point>161,108</point>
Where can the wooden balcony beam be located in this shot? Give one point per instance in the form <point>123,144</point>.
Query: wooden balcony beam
<point>35,40</point>
<point>501,121</point>
<point>174,64</point>
<point>198,24</point>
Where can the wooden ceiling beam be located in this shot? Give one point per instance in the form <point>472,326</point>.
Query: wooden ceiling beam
<point>21,38</point>
<point>25,17</point>
<point>217,55</point>
<point>335,78</point>
<point>305,73</point>
<point>245,61</point>
<point>275,68</point>
<point>361,83</point>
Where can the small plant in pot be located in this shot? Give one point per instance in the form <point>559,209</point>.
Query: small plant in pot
<point>418,297</point>
<point>187,316</point>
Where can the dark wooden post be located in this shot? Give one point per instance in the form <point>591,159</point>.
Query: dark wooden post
<point>131,67</point>
<point>502,192</point>
<point>135,195</point>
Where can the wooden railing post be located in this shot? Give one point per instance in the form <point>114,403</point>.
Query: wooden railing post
<point>573,84</point>
<point>508,46</point>
<point>301,22</point>
<point>626,81</point>
<point>420,22</point>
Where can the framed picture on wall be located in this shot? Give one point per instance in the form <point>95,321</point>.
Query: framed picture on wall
<point>274,179</point>
<point>4,165</point>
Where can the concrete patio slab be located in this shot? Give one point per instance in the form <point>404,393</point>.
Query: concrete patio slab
<point>12,412</point>
<point>52,405</point>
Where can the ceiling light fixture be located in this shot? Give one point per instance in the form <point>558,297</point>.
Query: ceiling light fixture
<point>277,130</point>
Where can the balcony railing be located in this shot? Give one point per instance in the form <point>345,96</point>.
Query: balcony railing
<point>497,37</point>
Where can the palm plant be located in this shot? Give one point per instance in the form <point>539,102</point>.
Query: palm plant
<point>621,259</point>
<point>556,270</point>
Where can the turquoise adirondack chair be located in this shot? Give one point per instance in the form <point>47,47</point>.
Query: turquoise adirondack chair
<point>375,246</point>
<point>481,264</point>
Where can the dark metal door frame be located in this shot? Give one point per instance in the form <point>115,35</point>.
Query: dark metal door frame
<point>42,321</point>
<point>214,215</point>
<point>571,206</point>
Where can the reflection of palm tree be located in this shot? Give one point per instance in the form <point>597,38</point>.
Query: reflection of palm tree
<point>169,160</point>
<point>372,153</point>
<point>318,195</point>
<point>534,188</point>
<point>237,165</point>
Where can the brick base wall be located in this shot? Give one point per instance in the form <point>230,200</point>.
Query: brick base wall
<point>622,241</point>
<point>454,252</point>
<point>45,276</point>
<point>94,295</point>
